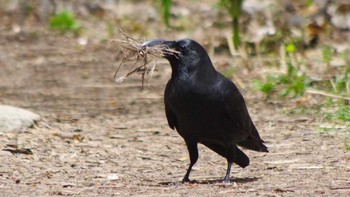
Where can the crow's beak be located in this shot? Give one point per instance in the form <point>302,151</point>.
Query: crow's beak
<point>152,43</point>
<point>166,45</point>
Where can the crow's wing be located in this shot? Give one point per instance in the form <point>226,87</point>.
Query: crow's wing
<point>236,108</point>
<point>170,117</point>
<point>172,122</point>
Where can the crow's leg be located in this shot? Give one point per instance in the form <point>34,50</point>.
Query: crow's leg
<point>228,153</point>
<point>227,176</point>
<point>235,155</point>
<point>193,151</point>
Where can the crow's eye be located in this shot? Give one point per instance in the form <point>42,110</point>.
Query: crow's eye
<point>182,47</point>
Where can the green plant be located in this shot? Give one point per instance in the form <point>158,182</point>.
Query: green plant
<point>166,11</point>
<point>65,22</point>
<point>165,6</point>
<point>292,83</point>
<point>341,82</point>
<point>268,86</point>
<point>340,117</point>
<point>234,8</point>
<point>347,144</point>
<point>327,55</point>
<point>291,48</point>
<point>295,80</point>
<point>343,114</point>
<point>309,2</point>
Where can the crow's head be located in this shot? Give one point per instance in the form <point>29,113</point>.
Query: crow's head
<point>189,55</point>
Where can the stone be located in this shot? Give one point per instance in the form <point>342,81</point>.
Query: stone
<point>14,118</point>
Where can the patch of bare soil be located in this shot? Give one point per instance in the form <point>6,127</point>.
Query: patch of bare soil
<point>98,137</point>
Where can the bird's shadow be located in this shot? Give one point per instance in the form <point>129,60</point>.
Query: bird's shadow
<point>212,181</point>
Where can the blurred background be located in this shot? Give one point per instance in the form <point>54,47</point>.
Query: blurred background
<point>295,45</point>
<point>283,49</point>
<point>289,58</point>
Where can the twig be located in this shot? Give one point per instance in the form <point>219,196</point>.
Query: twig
<point>134,52</point>
<point>327,94</point>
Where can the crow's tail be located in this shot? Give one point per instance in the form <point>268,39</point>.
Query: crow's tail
<point>241,159</point>
<point>253,144</point>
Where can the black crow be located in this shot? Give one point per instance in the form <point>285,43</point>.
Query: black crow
<point>205,107</point>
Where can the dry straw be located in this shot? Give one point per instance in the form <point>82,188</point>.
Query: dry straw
<point>133,51</point>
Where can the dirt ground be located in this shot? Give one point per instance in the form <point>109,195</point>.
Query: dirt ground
<point>97,137</point>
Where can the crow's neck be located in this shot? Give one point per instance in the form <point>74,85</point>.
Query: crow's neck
<point>203,72</point>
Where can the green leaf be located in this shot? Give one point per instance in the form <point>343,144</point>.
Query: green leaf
<point>290,48</point>
<point>236,40</point>
<point>268,86</point>
<point>309,2</point>
<point>234,8</point>
<point>64,21</point>
<point>344,114</point>
<point>327,54</point>
<point>284,79</point>
<point>235,13</point>
<point>166,4</point>
<point>347,144</point>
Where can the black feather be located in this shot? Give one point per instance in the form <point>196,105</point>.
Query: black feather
<point>206,107</point>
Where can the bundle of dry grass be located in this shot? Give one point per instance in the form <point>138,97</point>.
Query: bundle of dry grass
<point>141,56</point>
